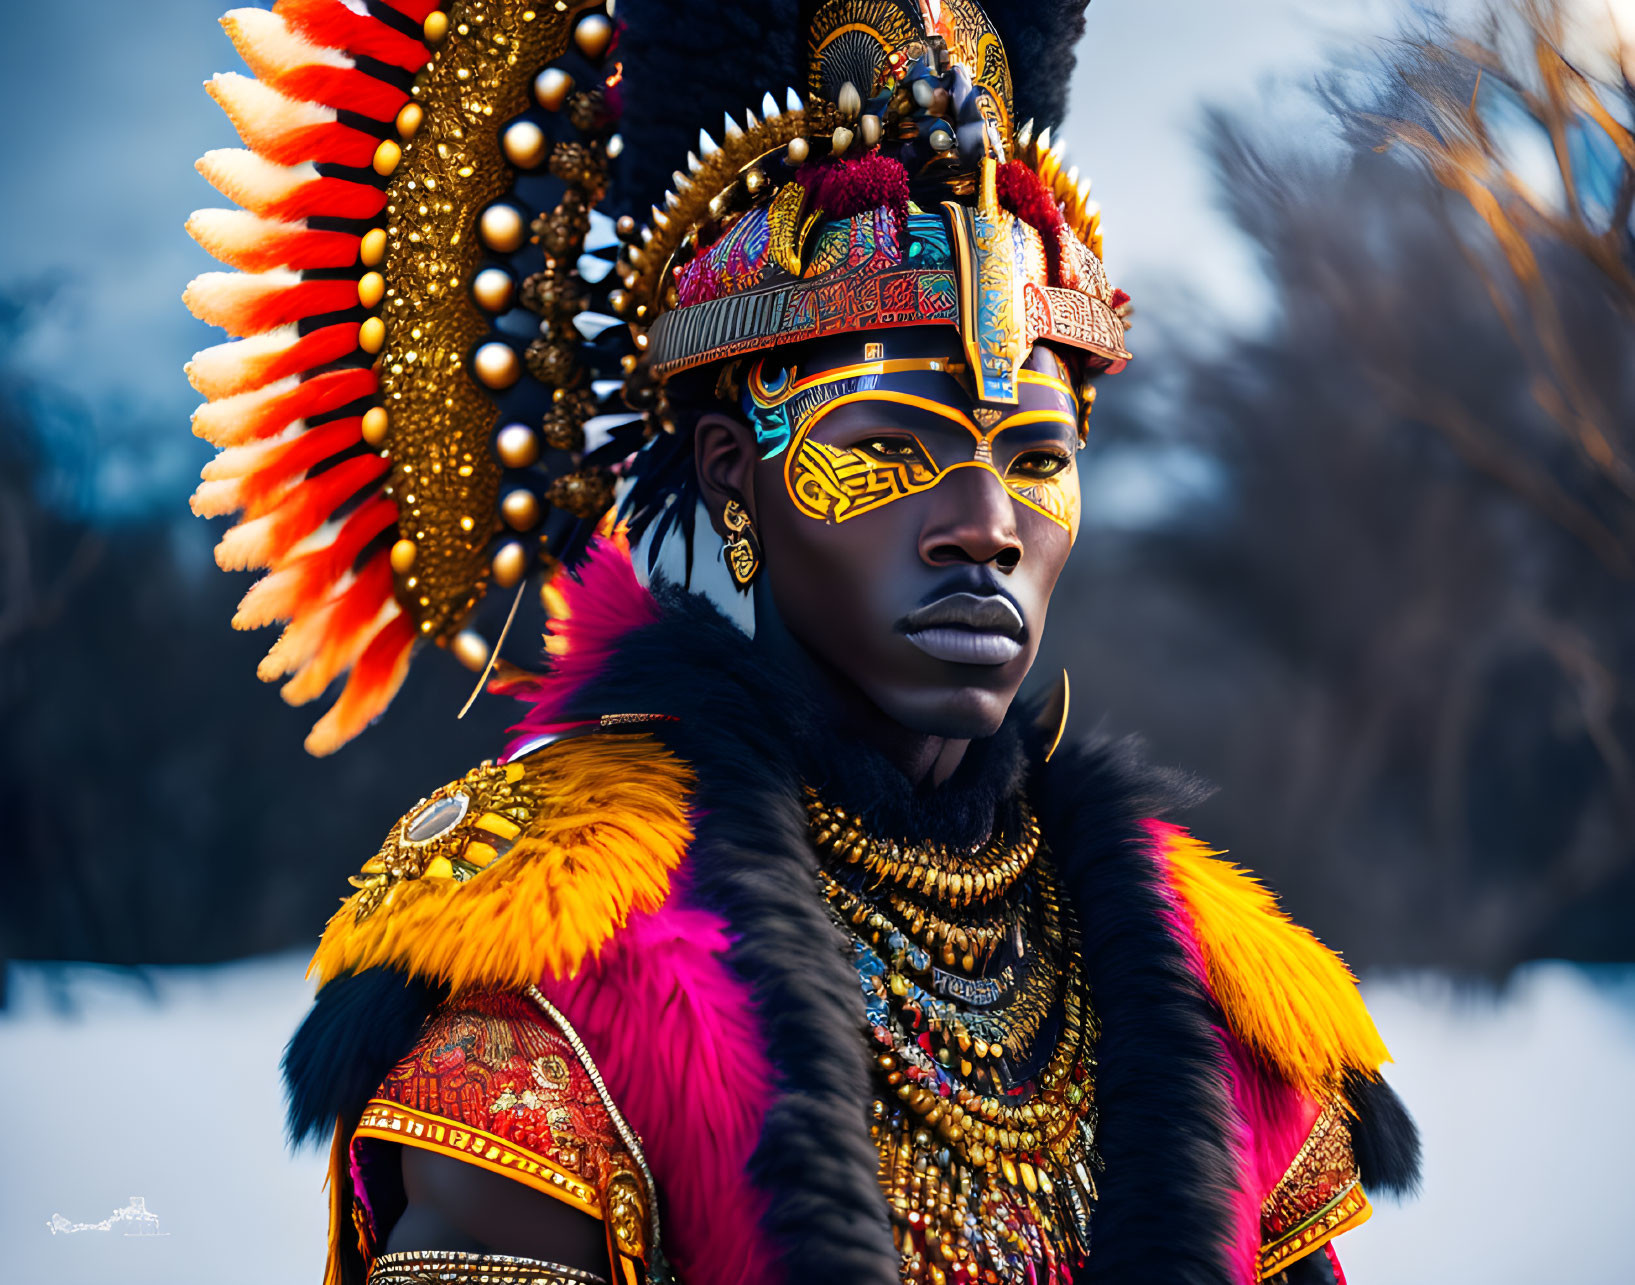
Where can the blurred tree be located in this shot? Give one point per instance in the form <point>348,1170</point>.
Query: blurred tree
<point>1399,642</point>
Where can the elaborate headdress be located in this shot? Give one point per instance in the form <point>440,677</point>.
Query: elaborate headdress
<point>456,337</point>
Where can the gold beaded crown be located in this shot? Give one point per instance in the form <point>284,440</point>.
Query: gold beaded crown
<point>446,352</point>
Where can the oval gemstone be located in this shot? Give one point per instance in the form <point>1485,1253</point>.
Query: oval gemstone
<point>437,818</point>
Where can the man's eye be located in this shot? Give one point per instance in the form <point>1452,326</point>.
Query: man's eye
<point>891,448</point>
<point>1035,465</point>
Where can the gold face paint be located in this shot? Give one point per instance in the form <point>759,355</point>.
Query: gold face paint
<point>836,482</point>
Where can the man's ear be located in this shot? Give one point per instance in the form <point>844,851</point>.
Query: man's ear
<point>724,454</point>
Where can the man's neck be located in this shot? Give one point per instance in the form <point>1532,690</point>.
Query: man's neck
<point>927,761</point>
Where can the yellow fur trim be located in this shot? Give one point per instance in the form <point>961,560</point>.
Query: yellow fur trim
<point>1285,995</point>
<point>603,822</point>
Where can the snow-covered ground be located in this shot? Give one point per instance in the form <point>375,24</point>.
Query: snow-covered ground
<point>113,1087</point>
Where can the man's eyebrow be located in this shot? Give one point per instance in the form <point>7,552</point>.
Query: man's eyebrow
<point>1054,415</point>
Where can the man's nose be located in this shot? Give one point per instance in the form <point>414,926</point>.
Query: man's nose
<point>972,521</point>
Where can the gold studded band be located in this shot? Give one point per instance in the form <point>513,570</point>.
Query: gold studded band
<point>447,1267</point>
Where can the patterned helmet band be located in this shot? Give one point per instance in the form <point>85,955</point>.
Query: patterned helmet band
<point>447,356</point>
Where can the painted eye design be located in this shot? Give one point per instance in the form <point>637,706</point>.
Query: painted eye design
<point>1036,466</point>
<point>895,449</point>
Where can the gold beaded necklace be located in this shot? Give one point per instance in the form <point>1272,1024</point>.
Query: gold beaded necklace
<point>984,1118</point>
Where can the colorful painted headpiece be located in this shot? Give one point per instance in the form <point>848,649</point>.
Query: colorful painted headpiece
<point>454,336</point>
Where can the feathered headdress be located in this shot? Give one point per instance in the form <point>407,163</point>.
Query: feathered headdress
<point>477,241</point>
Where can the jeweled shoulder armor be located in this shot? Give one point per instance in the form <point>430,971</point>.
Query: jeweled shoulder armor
<point>450,359</point>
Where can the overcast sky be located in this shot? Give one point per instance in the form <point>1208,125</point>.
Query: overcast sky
<point>100,180</point>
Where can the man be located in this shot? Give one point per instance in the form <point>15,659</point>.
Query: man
<point>779,944</point>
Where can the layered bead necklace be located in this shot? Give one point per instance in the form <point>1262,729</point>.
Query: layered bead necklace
<point>983,1036</point>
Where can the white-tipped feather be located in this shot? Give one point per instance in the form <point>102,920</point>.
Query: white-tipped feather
<point>221,371</point>
<point>244,547</point>
<point>706,144</point>
<point>265,41</point>
<point>226,234</point>
<point>251,180</point>
<point>792,100</point>
<point>693,163</point>
<point>769,106</point>
<point>240,461</point>
<point>261,113</point>
<point>729,127</point>
<point>222,298</point>
<point>229,420</point>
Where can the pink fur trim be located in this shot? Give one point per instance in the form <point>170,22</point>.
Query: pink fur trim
<point>675,1036</point>
<point>1272,1119</point>
<point>605,601</point>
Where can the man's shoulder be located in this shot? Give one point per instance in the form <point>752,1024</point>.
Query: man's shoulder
<point>1284,994</point>
<point>520,869</point>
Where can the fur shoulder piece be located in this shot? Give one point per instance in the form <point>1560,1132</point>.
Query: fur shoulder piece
<point>1285,995</point>
<point>518,871</point>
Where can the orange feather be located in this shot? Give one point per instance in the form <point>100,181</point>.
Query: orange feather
<point>369,689</point>
<point>603,848</point>
<point>1285,995</point>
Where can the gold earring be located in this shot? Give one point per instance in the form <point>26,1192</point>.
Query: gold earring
<point>742,548</point>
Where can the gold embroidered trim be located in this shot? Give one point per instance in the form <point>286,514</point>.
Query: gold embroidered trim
<point>632,1209</point>
<point>389,1122</point>
<point>447,1267</point>
<point>1318,1197</point>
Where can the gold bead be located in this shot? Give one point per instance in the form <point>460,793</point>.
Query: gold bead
<point>502,227</point>
<point>754,181</point>
<point>470,648</point>
<point>372,335</point>
<point>620,301</point>
<point>387,155</point>
<point>510,564</point>
<point>552,87</point>
<point>372,249</point>
<point>402,555</point>
<point>799,150</point>
<point>371,289</point>
<point>409,120</point>
<point>520,509</point>
<point>524,144</point>
<point>435,27</point>
<point>517,446</point>
<point>375,424</point>
<point>593,35</point>
<point>841,139</point>
<point>497,364</point>
<point>492,288</point>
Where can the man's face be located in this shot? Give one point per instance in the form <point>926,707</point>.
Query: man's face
<point>912,536</point>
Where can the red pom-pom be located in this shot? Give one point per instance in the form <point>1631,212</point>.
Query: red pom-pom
<point>1025,195</point>
<point>843,189</point>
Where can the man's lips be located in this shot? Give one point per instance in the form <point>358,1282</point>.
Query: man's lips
<point>967,629</point>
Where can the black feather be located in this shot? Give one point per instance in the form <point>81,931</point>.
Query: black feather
<point>360,1026</point>
<point>1161,1087</point>
<point>1383,1136</point>
<point>686,62</point>
<point>1040,40</point>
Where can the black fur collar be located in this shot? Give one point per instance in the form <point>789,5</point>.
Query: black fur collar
<point>754,733</point>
